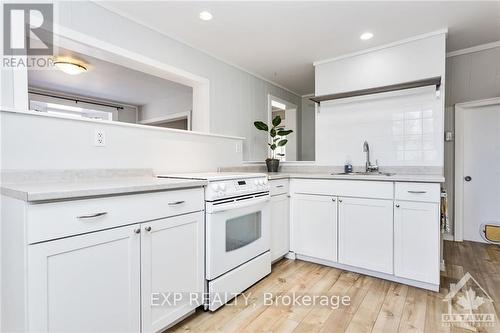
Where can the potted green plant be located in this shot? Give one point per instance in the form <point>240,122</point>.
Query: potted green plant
<point>276,139</point>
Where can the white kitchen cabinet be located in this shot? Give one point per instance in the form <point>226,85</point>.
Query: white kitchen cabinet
<point>172,264</point>
<point>314,224</point>
<point>416,241</point>
<point>365,233</point>
<point>280,226</point>
<point>86,283</point>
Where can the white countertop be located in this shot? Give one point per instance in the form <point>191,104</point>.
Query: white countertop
<point>392,178</point>
<point>64,190</point>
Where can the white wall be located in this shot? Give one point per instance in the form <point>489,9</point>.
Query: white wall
<point>471,76</point>
<point>44,142</point>
<point>236,97</point>
<point>402,62</point>
<point>403,129</point>
<point>163,107</point>
<point>307,130</point>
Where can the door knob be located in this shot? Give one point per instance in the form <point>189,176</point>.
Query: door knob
<point>468,178</point>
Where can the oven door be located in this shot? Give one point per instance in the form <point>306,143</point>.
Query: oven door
<point>236,232</point>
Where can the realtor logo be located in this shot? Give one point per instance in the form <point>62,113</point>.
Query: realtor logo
<point>28,29</point>
<point>468,305</point>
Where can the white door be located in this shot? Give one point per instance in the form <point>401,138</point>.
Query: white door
<point>87,283</point>
<point>481,171</point>
<point>314,224</point>
<point>280,226</point>
<point>365,233</point>
<point>416,241</point>
<point>172,269</point>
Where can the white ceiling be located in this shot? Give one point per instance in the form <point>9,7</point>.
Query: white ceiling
<point>280,40</point>
<point>105,81</point>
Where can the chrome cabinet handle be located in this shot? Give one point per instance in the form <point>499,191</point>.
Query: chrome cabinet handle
<point>417,192</point>
<point>397,205</point>
<point>137,231</point>
<point>280,186</point>
<point>91,215</point>
<point>176,203</point>
<point>333,199</point>
<point>148,229</point>
<point>340,200</point>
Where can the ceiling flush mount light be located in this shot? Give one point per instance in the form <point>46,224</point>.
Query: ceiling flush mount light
<point>206,16</point>
<point>70,68</point>
<point>366,36</point>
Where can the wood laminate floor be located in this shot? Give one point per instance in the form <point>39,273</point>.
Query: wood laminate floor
<point>376,305</point>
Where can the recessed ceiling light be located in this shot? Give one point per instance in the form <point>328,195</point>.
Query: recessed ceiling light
<point>366,36</point>
<point>206,16</point>
<point>70,68</point>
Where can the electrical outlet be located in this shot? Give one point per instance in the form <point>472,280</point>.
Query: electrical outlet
<point>99,138</point>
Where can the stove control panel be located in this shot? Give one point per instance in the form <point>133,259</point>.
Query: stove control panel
<point>235,187</point>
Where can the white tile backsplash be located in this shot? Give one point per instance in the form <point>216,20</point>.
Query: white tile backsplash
<point>403,129</point>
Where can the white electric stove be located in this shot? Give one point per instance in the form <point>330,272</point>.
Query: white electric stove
<point>237,232</point>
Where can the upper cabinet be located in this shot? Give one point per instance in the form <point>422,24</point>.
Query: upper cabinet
<point>421,57</point>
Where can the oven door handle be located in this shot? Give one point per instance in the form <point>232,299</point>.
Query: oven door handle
<point>239,204</point>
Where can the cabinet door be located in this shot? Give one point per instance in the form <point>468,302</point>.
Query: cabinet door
<point>416,241</point>
<point>280,226</point>
<point>314,220</point>
<point>365,233</point>
<point>172,263</point>
<point>87,283</point>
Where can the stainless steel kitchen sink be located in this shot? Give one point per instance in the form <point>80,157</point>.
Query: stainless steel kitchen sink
<point>363,173</point>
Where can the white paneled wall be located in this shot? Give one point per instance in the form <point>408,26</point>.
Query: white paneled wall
<point>403,128</point>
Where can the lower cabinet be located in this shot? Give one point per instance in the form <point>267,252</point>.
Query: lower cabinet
<point>87,283</point>
<point>280,226</point>
<point>416,241</point>
<point>314,221</point>
<point>365,233</point>
<point>172,264</point>
<point>102,281</point>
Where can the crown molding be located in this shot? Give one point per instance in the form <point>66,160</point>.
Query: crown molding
<point>385,46</point>
<point>147,25</point>
<point>473,49</point>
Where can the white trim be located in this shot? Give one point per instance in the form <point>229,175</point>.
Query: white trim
<point>459,160</point>
<point>85,44</point>
<point>227,62</point>
<point>473,49</point>
<point>117,123</point>
<point>385,46</point>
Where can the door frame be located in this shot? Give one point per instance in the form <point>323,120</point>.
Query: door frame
<point>460,110</point>
<point>288,106</point>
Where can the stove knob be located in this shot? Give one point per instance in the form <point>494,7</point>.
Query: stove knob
<point>215,187</point>
<point>222,187</point>
<point>261,182</point>
<point>265,181</point>
<point>256,182</point>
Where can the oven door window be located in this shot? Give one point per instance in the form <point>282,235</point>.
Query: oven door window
<point>243,230</point>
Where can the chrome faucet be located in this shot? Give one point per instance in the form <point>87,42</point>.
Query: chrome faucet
<point>369,167</point>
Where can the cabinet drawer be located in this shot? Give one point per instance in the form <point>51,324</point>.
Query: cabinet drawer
<point>279,186</point>
<point>425,192</point>
<point>61,219</point>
